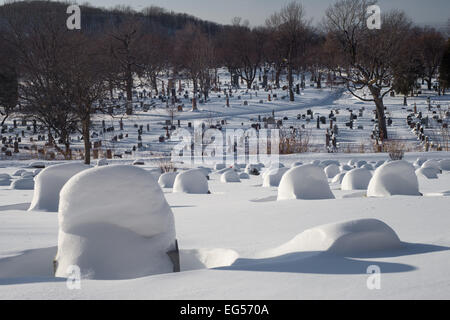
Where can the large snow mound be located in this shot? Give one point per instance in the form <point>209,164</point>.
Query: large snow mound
<point>338,178</point>
<point>306,182</point>
<point>114,223</point>
<point>49,183</point>
<point>394,178</point>
<point>432,164</point>
<point>166,180</point>
<point>26,183</point>
<point>429,173</point>
<point>5,181</point>
<point>344,238</point>
<point>332,170</point>
<point>230,177</point>
<point>356,179</point>
<point>192,181</point>
<point>273,177</point>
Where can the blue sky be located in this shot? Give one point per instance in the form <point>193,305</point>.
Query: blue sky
<point>433,12</point>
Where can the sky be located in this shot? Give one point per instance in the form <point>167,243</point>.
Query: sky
<point>430,12</point>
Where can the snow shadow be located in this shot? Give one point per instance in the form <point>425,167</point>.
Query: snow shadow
<point>315,263</point>
<point>18,206</point>
<point>320,262</point>
<point>34,265</point>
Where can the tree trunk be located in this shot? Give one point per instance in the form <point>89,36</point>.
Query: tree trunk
<point>428,83</point>
<point>155,85</point>
<point>291,84</point>
<point>87,141</point>
<point>129,90</point>
<point>277,78</point>
<point>381,120</point>
<point>194,98</point>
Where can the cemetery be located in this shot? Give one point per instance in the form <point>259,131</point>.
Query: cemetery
<point>208,161</point>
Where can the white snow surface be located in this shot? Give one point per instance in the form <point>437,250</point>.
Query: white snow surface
<point>231,229</point>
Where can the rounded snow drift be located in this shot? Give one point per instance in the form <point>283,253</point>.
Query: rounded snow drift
<point>19,172</point>
<point>326,163</point>
<point>394,178</point>
<point>244,176</point>
<point>338,179</point>
<point>230,177</point>
<point>272,177</point>
<point>356,179</point>
<point>49,183</point>
<point>166,180</point>
<point>432,164</point>
<point>349,238</point>
<point>37,165</point>
<point>26,183</point>
<point>5,181</point>
<point>332,170</point>
<point>192,181</point>
<point>114,223</point>
<point>420,161</point>
<point>360,163</point>
<point>345,167</point>
<point>306,182</point>
<point>429,173</point>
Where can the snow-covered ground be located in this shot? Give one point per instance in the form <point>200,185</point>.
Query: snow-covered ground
<point>240,229</point>
<point>242,240</point>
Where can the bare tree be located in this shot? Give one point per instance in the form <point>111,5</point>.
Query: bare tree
<point>124,49</point>
<point>290,28</point>
<point>8,82</point>
<point>194,55</point>
<point>368,55</point>
<point>432,45</point>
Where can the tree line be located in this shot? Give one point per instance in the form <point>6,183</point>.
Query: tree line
<point>61,77</point>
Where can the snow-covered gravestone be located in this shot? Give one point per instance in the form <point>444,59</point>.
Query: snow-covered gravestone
<point>192,181</point>
<point>26,183</point>
<point>332,170</point>
<point>272,177</point>
<point>428,173</point>
<point>230,177</point>
<point>114,223</point>
<point>49,182</point>
<point>394,178</point>
<point>166,180</point>
<point>5,179</point>
<point>356,179</point>
<point>307,182</point>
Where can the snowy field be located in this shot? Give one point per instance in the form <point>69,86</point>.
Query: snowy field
<point>235,244</point>
<point>247,239</point>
